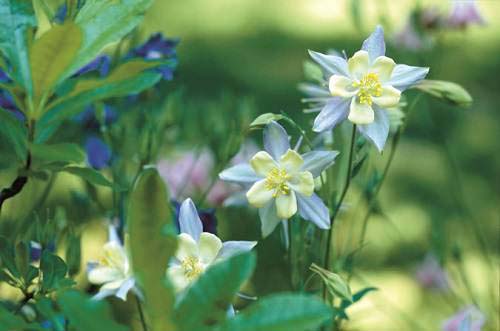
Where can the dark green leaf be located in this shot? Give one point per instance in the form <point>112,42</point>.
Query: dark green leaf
<point>282,312</point>
<point>53,271</point>
<point>90,175</point>
<point>23,258</point>
<point>11,322</point>
<point>87,315</point>
<point>73,255</point>
<point>17,17</point>
<point>214,291</point>
<point>149,218</point>
<point>45,308</point>
<point>14,133</point>
<point>7,257</point>
<point>56,153</point>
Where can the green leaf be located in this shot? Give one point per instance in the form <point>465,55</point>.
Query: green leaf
<point>265,119</point>
<point>51,56</point>
<point>104,22</point>
<point>23,258</point>
<point>152,244</point>
<point>281,312</point>
<point>15,133</point>
<point>335,284</point>
<point>45,308</point>
<point>214,291</point>
<point>313,72</point>
<point>7,259</point>
<point>17,17</point>
<point>73,254</point>
<point>90,175</point>
<point>53,270</point>
<point>448,91</point>
<point>129,78</point>
<point>12,322</point>
<point>62,153</point>
<point>87,315</point>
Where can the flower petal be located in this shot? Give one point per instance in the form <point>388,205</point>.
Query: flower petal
<point>209,246</point>
<point>358,64</point>
<point>276,140</point>
<point>360,113</point>
<point>291,161</point>
<point>240,173</point>
<point>103,293</point>
<point>383,67</point>
<point>189,221</point>
<point>125,288</point>
<point>403,76</point>
<point>341,86</point>
<point>262,163</point>
<point>269,218</point>
<point>313,209</point>
<point>258,195</point>
<point>378,131</point>
<point>231,248</point>
<point>332,64</point>
<point>389,98</point>
<point>177,277</point>
<point>115,256</point>
<point>100,275</point>
<point>286,205</point>
<point>375,43</point>
<point>303,183</point>
<point>317,161</point>
<point>334,112</point>
<point>187,247</point>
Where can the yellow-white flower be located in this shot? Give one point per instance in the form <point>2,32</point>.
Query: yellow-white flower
<point>198,250</point>
<point>113,271</point>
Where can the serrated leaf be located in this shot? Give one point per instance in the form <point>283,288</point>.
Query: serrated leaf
<point>84,314</point>
<point>17,17</point>
<point>52,54</point>
<point>149,220</point>
<point>281,312</point>
<point>90,175</point>
<point>214,291</point>
<point>14,133</point>
<point>57,153</point>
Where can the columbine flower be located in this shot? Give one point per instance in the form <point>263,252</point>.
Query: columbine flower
<point>100,64</point>
<point>431,275</point>
<point>98,153</point>
<point>465,13</point>
<point>362,88</point>
<point>113,272</point>
<point>468,319</point>
<point>283,181</point>
<point>198,250</point>
<point>207,217</point>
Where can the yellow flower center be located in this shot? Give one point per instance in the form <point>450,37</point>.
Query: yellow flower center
<point>369,86</point>
<point>277,180</point>
<point>192,267</point>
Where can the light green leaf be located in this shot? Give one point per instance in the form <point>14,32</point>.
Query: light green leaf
<point>214,291</point>
<point>265,119</point>
<point>129,78</point>
<point>281,312</point>
<point>104,22</point>
<point>63,152</point>
<point>90,175</point>
<point>450,92</point>
<point>152,244</point>
<point>15,134</point>
<point>51,56</point>
<point>335,284</point>
<point>87,315</point>
<point>17,17</point>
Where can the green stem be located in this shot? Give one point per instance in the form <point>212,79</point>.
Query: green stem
<point>326,262</point>
<point>141,314</point>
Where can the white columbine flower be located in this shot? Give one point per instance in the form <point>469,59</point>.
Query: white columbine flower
<point>282,181</point>
<point>361,89</point>
<point>113,271</point>
<point>198,250</point>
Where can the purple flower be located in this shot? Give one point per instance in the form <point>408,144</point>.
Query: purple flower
<point>157,47</point>
<point>207,217</point>
<point>468,319</point>
<point>431,275</point>
<point>100,64</point>
<point>98,153</point>
<point>465,13</point>
<point>89,120</point>
<point>4,78</point>
<point>35,251</point>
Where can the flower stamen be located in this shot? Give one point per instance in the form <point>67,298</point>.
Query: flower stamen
<point>192,267</point>
<point>369,86</point>
<point>277,180</point>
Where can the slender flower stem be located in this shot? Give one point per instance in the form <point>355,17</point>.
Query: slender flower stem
<point>326,262</point>
<point>141,314</point>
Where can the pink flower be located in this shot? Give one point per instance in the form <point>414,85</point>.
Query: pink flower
<point>465,13</point>
<point>468,319</point>
<point>431,275</point>
<point>409,38</point>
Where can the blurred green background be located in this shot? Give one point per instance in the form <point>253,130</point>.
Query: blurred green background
<point>445,176</point>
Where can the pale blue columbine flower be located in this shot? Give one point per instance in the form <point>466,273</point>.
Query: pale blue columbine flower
<point>113,271</point>
<point>361,89</point>
<point>198,250</point>
<point>465,13</point>
<point>281,181</point>
<point>468,319</point>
